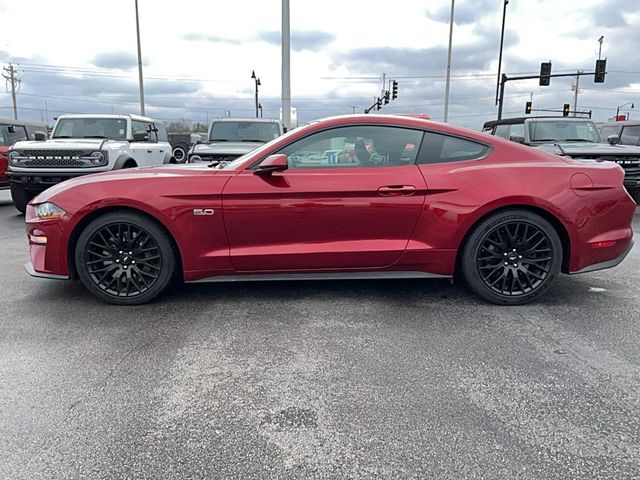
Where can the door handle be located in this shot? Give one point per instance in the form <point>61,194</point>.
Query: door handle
<point>397,190</point>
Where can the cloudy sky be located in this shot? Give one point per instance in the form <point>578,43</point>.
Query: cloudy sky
<point>80,56</point>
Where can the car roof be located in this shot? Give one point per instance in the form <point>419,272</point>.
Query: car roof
<point>246,119</point>
<point>545,118</point>
<point>132,116</point>
<point>622,123</point>
<point>11,121</point>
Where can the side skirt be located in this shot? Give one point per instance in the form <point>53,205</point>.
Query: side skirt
<point>264,277</point>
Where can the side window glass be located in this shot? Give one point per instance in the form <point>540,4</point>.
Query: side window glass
<point>153,136</point>
<point>355,147</point>
<point>630,135</point>
<point>502,131</point>
<point>162,132</point>
<point>439,148</point>
<point>517,130</point>
<point>2,135</point>
<point>15,133</point>
<point>139,127</point>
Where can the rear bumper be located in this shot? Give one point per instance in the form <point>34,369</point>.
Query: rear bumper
<point>614,262</point>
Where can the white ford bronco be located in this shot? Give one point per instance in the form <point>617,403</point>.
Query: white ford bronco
<point>83,144</point>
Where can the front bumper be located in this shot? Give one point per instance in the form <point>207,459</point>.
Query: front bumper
<point>39,182</point>
<point>31,271</point>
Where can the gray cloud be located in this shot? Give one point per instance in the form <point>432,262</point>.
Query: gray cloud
<point>312,40</point>
<point>203,37</point>
<point>466,12</point>
<point>117,60</point>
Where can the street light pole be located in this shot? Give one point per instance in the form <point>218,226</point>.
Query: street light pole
<point>140,81</point>
<point>257,82</point>
<point>504,16</point>
<point>286,67</point>
<point>448,80</point>
<point>623,105</point>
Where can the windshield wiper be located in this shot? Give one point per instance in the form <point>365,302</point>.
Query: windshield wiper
<point>218,140</point>
<point>252,140</point>
<point>578,140</point>
<point>94,136</point>
<point>545,140</point>
<point>62,136</point>
<point>213,164</point>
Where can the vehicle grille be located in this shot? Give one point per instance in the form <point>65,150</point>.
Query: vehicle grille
<point>53,158</point>
<point>218,157</point>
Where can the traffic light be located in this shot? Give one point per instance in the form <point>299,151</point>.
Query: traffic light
<point>394,90</point>
<point>601,70</point>
<point>379,104</point>
<point>545,71</point>
<point>527,108</point>
<point>565,110</point>
<point>386,97</point>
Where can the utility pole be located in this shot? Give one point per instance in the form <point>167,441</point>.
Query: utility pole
<point>504,16</point>
<point>448,80</point>
<point>140,81</point>
<point>384,76</point>
<point>10,76</point>
<point>286,66</point>
<point>575,97</point>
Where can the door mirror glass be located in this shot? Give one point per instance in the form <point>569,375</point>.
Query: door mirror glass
<point>516,138</point>
<point>273,163</point>
<point>613,139</point>
<point>39,136</point>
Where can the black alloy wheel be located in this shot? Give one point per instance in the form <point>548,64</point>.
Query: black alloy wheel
<point>124,258</point>
<point>512,257</point>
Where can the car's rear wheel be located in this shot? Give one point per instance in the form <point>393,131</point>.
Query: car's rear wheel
<point>20,197</point>
<point>180,152</point>
<point>512,257</point>
<point>124,258</point>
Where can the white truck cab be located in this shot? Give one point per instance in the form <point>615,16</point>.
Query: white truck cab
<point>83,144</point>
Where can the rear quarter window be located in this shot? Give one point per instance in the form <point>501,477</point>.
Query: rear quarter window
<point>441,148</point>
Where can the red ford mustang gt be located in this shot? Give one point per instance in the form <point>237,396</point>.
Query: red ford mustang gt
<point>347,197</point>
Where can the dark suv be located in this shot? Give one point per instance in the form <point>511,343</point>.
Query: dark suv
<point>12,131</point>
<point>571,137</point>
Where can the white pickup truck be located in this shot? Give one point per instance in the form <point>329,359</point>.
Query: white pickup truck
<point>229,138</point>
<point>83,144</point>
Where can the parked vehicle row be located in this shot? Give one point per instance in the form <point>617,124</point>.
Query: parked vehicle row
<point>572,137</point>
<point>408,198</point>
<point>12,131</point>
<point>84,144</point>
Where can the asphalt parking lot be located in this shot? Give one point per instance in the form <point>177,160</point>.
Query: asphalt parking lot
<point>401,379</point>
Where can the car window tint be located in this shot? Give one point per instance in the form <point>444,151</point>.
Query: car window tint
<point>2,142</point>
<point>139,127</point>
<point>605,132</point>
<point>502,131</point>
<point>439,148</point>
<point>355,146</point>
<point>630,135</point>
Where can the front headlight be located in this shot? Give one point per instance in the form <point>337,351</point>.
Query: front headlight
<point>13,157</point>
<point>97,158</point>
<point>195,158</point>
<point>48,211</point>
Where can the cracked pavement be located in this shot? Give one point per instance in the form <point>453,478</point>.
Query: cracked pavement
<point>375,379</point>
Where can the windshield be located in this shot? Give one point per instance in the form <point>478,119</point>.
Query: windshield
<point>563,131</point>
<point>244,131</point>
<point>112,128</point>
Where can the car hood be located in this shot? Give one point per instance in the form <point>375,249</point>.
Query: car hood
<point>63,144</point>
<point>591,150</point>
<point>146,174</point>
<point>239,148</point>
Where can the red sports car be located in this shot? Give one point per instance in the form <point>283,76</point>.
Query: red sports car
<point>418,199</point>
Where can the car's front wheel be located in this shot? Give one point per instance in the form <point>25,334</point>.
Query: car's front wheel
<point>124,258</point>
<point>512,257</point>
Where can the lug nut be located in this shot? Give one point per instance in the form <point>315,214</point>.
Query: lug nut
<point>519,256</point>
<point>514,249</point>
<point>515,265</point>
<point>120,252</point>
<point>506,264</point>
<point>117,260</point>
<point>125,267</point>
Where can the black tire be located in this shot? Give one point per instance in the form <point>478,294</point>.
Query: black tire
<point>512,257</point>
<point>127,249</point>
<point>635,194</point>
<point>20,197</point>
<point>180,152</point>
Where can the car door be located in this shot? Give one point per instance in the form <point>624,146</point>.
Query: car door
<point>349,199</point>
<point>142,149</point>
